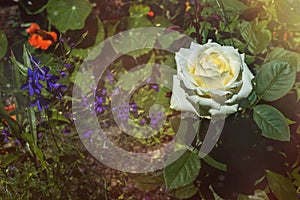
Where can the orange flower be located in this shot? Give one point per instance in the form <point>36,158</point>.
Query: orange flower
<point>40,38</point>
<point>9,109</point>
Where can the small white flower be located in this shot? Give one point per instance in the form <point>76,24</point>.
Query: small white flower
<point>211,80</point>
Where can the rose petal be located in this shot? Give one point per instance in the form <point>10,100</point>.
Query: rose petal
<point>224,110</point>
<point>179,93</point>
<point>246,88</point>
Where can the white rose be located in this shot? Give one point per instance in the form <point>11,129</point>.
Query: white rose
<point>211,80</point>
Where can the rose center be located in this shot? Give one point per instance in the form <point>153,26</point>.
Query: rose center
<point>213,71</point>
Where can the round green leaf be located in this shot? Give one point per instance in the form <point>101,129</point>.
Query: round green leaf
<point>272,122</point>
<point>3,44</point>
<point>183,171</point>
<point>274,80</point>
<point>281,186</point>
<point>68,15</point>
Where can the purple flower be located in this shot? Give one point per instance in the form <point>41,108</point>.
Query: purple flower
<point>5,134</point>
<point>66,130</point>
<point>155,87</point>
<point>52,84</point>
<point>68,65</point>
<point>99,107</point>
<point>17,142</point>
<point>156,120</point>
<point>104,92</point>
<point>88,133</point>
<point>63,74</point>
<point>142,122</point>
<point>110,77</point>
<point>32,84</point>
<point>122,112</point>
<point>40,102</point>
<point>133,107</point>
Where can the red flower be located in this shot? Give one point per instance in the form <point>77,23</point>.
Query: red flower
<point>150,14</point>
<point>33,28</point>
<point>40,38</point>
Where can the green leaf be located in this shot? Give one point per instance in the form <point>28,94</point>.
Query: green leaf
<point>274,80</point>
<point>160,21</point>
<point>281,54</point>
<point>168,39</point>
<point>216,196</point>
<point>141,41</point>
<point>297,89</point>
<point>33,128</point>
<point>26,57</point>
<point>183,171</point>
<point>212,162</point>
<point>68,15</point>
<point>258,195</point>
<point>272,122</point>
<point>257,35</point>
<point>281,186</point>
<point>234,5</point>
<point>21,68</point>
<point>35,8</point>
<point>34,147</point>
<point>184,192</point>
<point>55,115</point>
<point>131,78</point>
<point>3,44</point>
<point>138,10</point>
<point>288,11</point>
<point>6,160</point>
<point>252,98</point>
<point>149,182</point>
<point>92,52</point>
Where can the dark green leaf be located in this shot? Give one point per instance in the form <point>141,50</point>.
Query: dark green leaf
<point>131,79</point>
<point>3,44</point>
<point>212,162</point>
<point>281,54</point>
<point>184,192</point>
<point>35,8</point>
<point>272,122</point>
<point>6,160</point>
<point>281,186</point>
<point>93,51</point>
<point>68,15</point>
<point>274,80</point>
<point>26,57</point>
<point>149,182</point>
<point>183,171</point>
<point>60,117</point>
<point>258,195</point>
<point>20,67</point>
<point>257,35</point>
<point>252,98</point>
